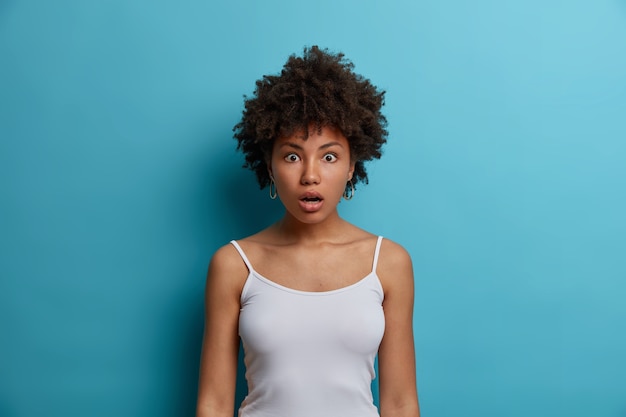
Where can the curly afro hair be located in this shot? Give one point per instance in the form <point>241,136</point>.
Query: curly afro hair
<point>318,89</point>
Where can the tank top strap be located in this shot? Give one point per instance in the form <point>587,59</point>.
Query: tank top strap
<point>376,253</point>
<point>242,254</point>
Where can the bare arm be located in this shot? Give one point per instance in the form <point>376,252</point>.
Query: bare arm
<point>218,365</point>
<point>396,356</point>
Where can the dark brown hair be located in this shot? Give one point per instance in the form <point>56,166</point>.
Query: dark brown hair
<point>318,89</point>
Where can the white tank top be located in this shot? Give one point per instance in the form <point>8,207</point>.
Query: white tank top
<point>310,354</point>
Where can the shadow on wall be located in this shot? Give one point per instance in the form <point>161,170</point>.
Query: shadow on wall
<point>186,357</point>
<point>4,409</point>
<point>228,205</point>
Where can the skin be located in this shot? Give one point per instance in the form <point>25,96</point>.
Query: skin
<point>328,252</point>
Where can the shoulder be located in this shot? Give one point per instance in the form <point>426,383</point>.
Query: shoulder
<point>394,256</point>
<point>227,268</point>
<point>227,257</point>
<point>395,268</point>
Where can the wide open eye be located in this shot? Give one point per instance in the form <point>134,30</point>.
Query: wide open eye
<point>292,157</point>
<point>330,157</point>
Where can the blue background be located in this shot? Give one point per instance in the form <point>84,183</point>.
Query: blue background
<point>504,177</point>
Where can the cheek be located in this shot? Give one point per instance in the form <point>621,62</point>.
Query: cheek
<point>341,173</point>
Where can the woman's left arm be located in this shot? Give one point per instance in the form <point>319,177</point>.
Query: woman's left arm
<point>396,355</point>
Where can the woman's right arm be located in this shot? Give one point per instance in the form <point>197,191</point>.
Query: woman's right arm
<point>220,345</point>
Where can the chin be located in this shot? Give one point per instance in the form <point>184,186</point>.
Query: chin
<point>309,218</point>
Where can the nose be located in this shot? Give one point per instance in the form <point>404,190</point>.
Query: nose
<point>310,174</point>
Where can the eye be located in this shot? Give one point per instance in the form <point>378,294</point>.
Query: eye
<point>330,157</point>
<point>292,157</point>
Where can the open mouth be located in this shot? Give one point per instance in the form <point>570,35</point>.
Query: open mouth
<point>311,201</point>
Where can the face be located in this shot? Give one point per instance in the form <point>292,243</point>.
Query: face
<point>311,174</point>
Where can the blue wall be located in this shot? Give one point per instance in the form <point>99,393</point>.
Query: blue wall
<point>504,176</point>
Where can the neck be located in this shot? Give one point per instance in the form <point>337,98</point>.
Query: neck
<point>293,230</point>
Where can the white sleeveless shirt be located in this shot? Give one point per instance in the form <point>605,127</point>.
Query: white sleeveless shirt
<point>310,354</point>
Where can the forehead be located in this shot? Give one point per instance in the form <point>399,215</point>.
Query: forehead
<point>314,137</point>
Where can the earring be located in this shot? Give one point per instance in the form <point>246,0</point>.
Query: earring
<point>273,192</point>
<point>349,192</point>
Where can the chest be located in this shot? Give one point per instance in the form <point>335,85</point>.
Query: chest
<point>324,269</point>
<point>277,319</point>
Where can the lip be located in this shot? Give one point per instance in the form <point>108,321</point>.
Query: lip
<point>311,206</point>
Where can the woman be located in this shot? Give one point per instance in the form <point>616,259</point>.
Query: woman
<point>313,297</point>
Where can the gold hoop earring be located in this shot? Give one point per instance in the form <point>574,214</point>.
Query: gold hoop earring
<point>349,192</point>
<point>273,191</point>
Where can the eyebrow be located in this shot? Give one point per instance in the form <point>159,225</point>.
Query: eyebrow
<point>324,146</point>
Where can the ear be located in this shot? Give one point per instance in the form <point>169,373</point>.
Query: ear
<point>351,170</point>
<point>269,168</point>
